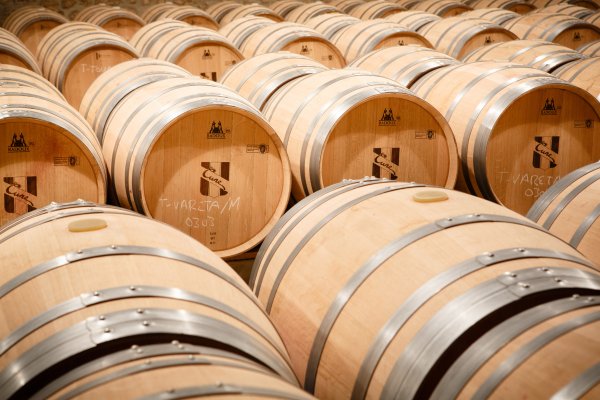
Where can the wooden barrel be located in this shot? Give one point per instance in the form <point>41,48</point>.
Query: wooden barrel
<point>49,41</point>
<point>561,29</point>
<point>194,154</point>
<point>11,75</point>
<point>177,369</point>
<point>518,129</point>
<point>539,54</point>
<point>346,124</point>
<point>459,36</point>
<point>497,16</point>
<point>592,4</point>
<point>591,49</point>
<point>250,9</point>
<point>283,7</point>
<point>107,270</point>
<point>566,9</point>
<point>238,30</point>
<point>518,6</point>
<point>345,6</point>
<point>258,77</point>
<point>295,38</point>
<point>145,38</point>
<point>310,10</point>
<point>76,57</point>
<point>331,23</point>
<point>154,12</point>
<point>218,9</point>
<point>201,51</point>
<point>593,18</point>
<point>404,64</point>
<point>52,153</point>
<point>361,38</point>
<point>191,15</point>
<point>584,73</point>
<point>121,21</point>
<point>570,210</point>
<point>443,8</point>
<point>31,24</point>
<point>117,83</point>
<point>376,9</point>
<point>14,52</point>
<point>414,20</point>
<point>425,275</point>
<point>407,3</point>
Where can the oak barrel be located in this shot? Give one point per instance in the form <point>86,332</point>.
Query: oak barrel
<point>196,155</point>
<point>114,85</point>
<point>570,210</point>
<point>443,8</point>
<point>518,6</point>
<point>343,124</point>
<point>539,54</point>
<point>591,49</point>
<point>121,21</point>
<point>592,4</point>
<point>14,52</point>
<point>201,51</point>
<point>108,278</point>
<point>459,36</point>
<point>192,15</point>
<point>593,18</point>
<point>238,30</point>
<point>414,20</point>
<point>75,57</point>
<point>11,75</point>
<point>518,129</point>
<point>250,9</point>
<point>218,9</point>
<point>497,16</point>
<point>584,73</point>
<point>284,7</point>
<point>145,38</point>
<point>154,12</point>
<point>561,29</point>
<point>330,23</point>
<point>425,275</point>
<point>295,38</point>
<point>566,9</point>
<point>364,37</point>
<point>258,77</point>
<point>345,6</point>
<point>375,9</point>
<point>404,64</point>
<point>52,153</point>
<point>307,11</point>
<point>31,24</point>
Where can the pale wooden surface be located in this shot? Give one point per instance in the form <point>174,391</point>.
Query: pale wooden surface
<point>539,54</point>
<point>258,185</point>
<point>218,9</point>
<point>347,144</point>
<point>520,7</point>
<point>459,36</point>
<point>583,73</point>
<point>561,29</point>
<point>152,31</point>
<point>496,15</point>
<point>575,213</point>
<point>14,75</point>
<point>283,7</point>
<point>258,77</point>
<point>250,9</point>
<point>404,64</point>
<point>324,263</point>
<point>443,8</point>
<point>201,51</point>
<point>591,49</point>
<point>14,52</point>
<point>121,21</point>
<point>31,24</point>
<point>330,23</point>
<point>154,12</point>
<point>566,9</point>
<point>508,149</point>
<point>376,9</point>
<point>55,152</point>
<point>415,20</point>
<point>295,38</point>
<point>192,15</point>
<point>307,11</point>
<point>239,30</point>
<point>346,5</point>
<point>359,39</point>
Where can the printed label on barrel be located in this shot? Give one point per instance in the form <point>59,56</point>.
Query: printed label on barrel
<point>545,152</point>
<point>20,194</point>
<point>387,118</point>
<point>216,131</point>
<point>550,108</point>
<point>214,181</point>
<point>18,144</point>
<point>386,162</point>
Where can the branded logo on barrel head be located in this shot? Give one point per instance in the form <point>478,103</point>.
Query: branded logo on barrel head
<point>577,36</point>
<point>386,162</point>
<point>545,152</point>
<point>549,107</point>
<point>387,118</point>
<point>18,144</point>
<point>212,77</point>
<point>19,194</point>
<point>216,131</point>
<point>305,49</point>
<point>257,148</point>
<point>206,54</point>
<point>214,181</point>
